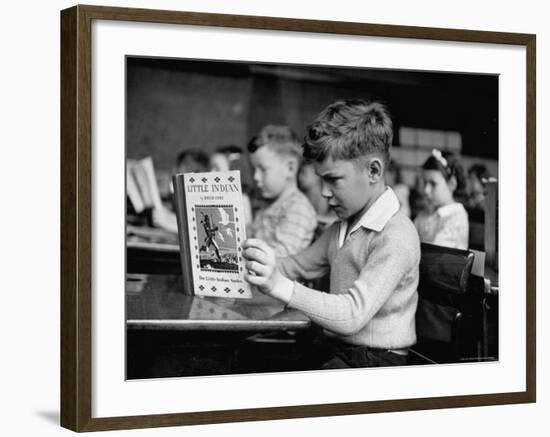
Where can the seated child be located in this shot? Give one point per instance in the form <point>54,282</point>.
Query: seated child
<point>288,222</point>
<point>444,222</point>
<point>187,161</point>
<point>227,158</point>
<point>191,161</point>
<point>478,175</point>
<point>372,252</point>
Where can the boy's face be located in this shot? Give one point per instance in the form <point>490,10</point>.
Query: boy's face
<point>218,162</point>
<point>272,171</point>
<point>190,165</point>
<point>346,185</point>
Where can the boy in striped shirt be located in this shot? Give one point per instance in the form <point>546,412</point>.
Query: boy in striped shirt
<point>288,222</point>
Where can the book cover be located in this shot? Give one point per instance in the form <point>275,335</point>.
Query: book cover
<point>211,229</point>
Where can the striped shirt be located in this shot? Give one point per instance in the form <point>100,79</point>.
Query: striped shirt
<point>287,224</point>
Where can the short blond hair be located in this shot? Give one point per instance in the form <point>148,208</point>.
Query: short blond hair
<point>279,138</point>
<point>350,130</point>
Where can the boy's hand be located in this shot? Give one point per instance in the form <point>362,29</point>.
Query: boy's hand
<point>262,266</point>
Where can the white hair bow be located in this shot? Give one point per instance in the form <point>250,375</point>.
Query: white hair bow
<point>437,155</point>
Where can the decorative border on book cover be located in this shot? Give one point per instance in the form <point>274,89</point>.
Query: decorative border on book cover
<point>216,231</point>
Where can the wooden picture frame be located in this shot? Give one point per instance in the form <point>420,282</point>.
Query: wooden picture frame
<point>76,217</point>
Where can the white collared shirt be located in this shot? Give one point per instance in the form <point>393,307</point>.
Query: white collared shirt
<point>374,218</point>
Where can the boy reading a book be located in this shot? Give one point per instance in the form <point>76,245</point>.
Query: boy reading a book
<point>372,252</point>
<point>288,222</point>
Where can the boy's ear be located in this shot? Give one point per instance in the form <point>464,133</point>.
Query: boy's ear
<point>293,165</point>
<point>376,169</point>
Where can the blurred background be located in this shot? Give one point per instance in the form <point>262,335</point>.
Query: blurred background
<point>174,104</point>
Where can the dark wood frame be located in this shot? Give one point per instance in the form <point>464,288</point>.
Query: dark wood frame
<point>76,218</point>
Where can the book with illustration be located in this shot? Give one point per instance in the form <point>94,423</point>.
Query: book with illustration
<point>211,229</point>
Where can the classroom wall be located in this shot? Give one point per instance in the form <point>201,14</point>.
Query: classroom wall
<point>175,104</point>
<point>170,109</point>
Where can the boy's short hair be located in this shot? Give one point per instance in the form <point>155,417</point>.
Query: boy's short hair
<point>229,149</point>
<point>350,130</point>
<point>279,138</point>
<point>197,157</point>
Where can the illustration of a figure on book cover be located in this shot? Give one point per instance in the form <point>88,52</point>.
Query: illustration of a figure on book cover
<point>217,237</point>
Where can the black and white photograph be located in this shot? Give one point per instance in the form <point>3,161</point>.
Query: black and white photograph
<point>369,217</point>
<point>386,217</point>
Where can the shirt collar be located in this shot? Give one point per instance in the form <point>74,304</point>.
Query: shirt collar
<point>447,210</point>
<point>376,217</point>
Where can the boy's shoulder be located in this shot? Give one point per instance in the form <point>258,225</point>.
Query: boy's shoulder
<point>294,203</point>
<point>298,200</point>
<point>401,230</point>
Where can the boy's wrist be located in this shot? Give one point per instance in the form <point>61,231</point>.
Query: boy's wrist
<point>283,289</point>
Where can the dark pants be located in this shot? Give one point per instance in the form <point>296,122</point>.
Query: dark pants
<point>364,356</point>
<point>312,350</point>
<point>335,354</point>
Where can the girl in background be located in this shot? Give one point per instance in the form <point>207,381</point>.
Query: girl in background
<point>444,221</point>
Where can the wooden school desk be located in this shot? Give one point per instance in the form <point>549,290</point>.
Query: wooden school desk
<point>170,333</point>
<point>151,250</point>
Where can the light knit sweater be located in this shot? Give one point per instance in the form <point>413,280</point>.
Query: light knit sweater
<point>373,279</point>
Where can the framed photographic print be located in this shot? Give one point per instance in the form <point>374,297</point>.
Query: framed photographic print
<point>222,101</point>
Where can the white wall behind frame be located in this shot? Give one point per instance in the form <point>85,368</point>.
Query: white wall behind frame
<point>30,68</point>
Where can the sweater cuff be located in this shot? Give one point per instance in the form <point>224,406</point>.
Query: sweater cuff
<point>283,290</point>
<point>300,298</point>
